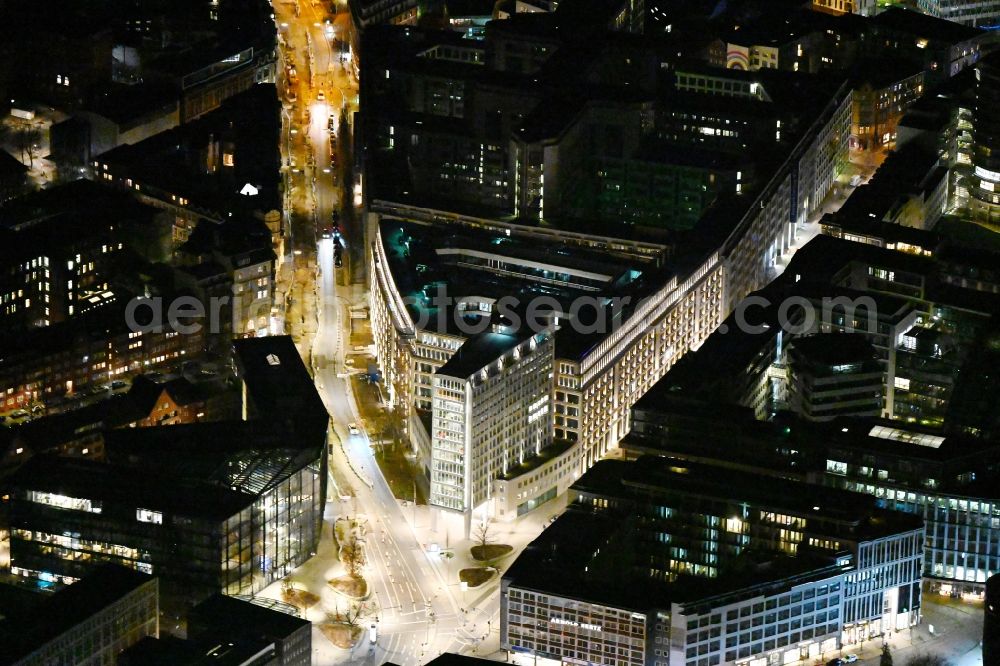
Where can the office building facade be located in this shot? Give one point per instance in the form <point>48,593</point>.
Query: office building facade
<point>977,13</point>
<point>492,411</point>
<point>731,580</point>
<point>88,623</point>
<point>984,185</point>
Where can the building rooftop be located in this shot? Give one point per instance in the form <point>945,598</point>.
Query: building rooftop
<point>53,220</point>
<point>11,167</point>
<point>910,171</point>
<point>144,392</point>
<point>564,561</point>
<point>120,485</point>
<point>175,162</point>
<point>450,659</point>
<point>129,105</point>
<point>484,266</point>
<point>847,515</point>
<point>243,240</point>
<point>884,70</point>
<point>921,25</point>
<point>67,608</point>
<point>834,349</point>
<point>173,651</point>
<point>553,450</point>
<point>572,557</point>
<point>280,388</point>
<point>224,615</point>
<point>479,351</point>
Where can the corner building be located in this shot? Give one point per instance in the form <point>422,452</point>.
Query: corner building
<point>492,410</point>
<point>666,563</point>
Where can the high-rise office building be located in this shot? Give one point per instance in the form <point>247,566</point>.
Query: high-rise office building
<point>492,411</point>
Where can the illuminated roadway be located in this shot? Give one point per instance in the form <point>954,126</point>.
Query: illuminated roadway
<point>418,616</point>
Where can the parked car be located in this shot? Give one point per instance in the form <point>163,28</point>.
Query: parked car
<point>850,658</point>
<point>320,96</point>
<point>837,661</point>
<point>18,414</point>
<point>118,384</point>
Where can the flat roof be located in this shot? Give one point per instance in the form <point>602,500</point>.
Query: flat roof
<point>479,351</point>
<point>426,261</point>
<point>226,614</point>
<point>174,161</point>
<point>280,386</point>
<point>121,485</point>
<point>67,608</point>
<point>553,450</point>
<point>856,514</point>
<point>919,24</point>
<point>834,348</point>
<point>561,561</point>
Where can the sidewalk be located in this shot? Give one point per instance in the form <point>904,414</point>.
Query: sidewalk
<point>957,630</point>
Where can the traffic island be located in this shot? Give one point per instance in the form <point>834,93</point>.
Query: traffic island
<point>354,588</point>
<point>343,635</point>
<point>299,598</point>
<point>490,551</point>
<point>476,576</point>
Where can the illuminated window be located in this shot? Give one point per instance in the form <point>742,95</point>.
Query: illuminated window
<point>227,159</point>
<point>149,516</point>
<point>63,501</point>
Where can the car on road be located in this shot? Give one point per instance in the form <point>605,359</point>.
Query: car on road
<point>292,97</point>
<point>353,428</point>
<point>18,414</point>
<point>118,384</point>
<point>850,658</point>
<point>836,661</point>
<point>320,96</point>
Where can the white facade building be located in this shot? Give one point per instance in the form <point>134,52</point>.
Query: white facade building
<point>492,410</point>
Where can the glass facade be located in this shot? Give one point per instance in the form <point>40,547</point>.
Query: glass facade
<point>278,533</point>
<point>59,541</point>
<point>962,543</point>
